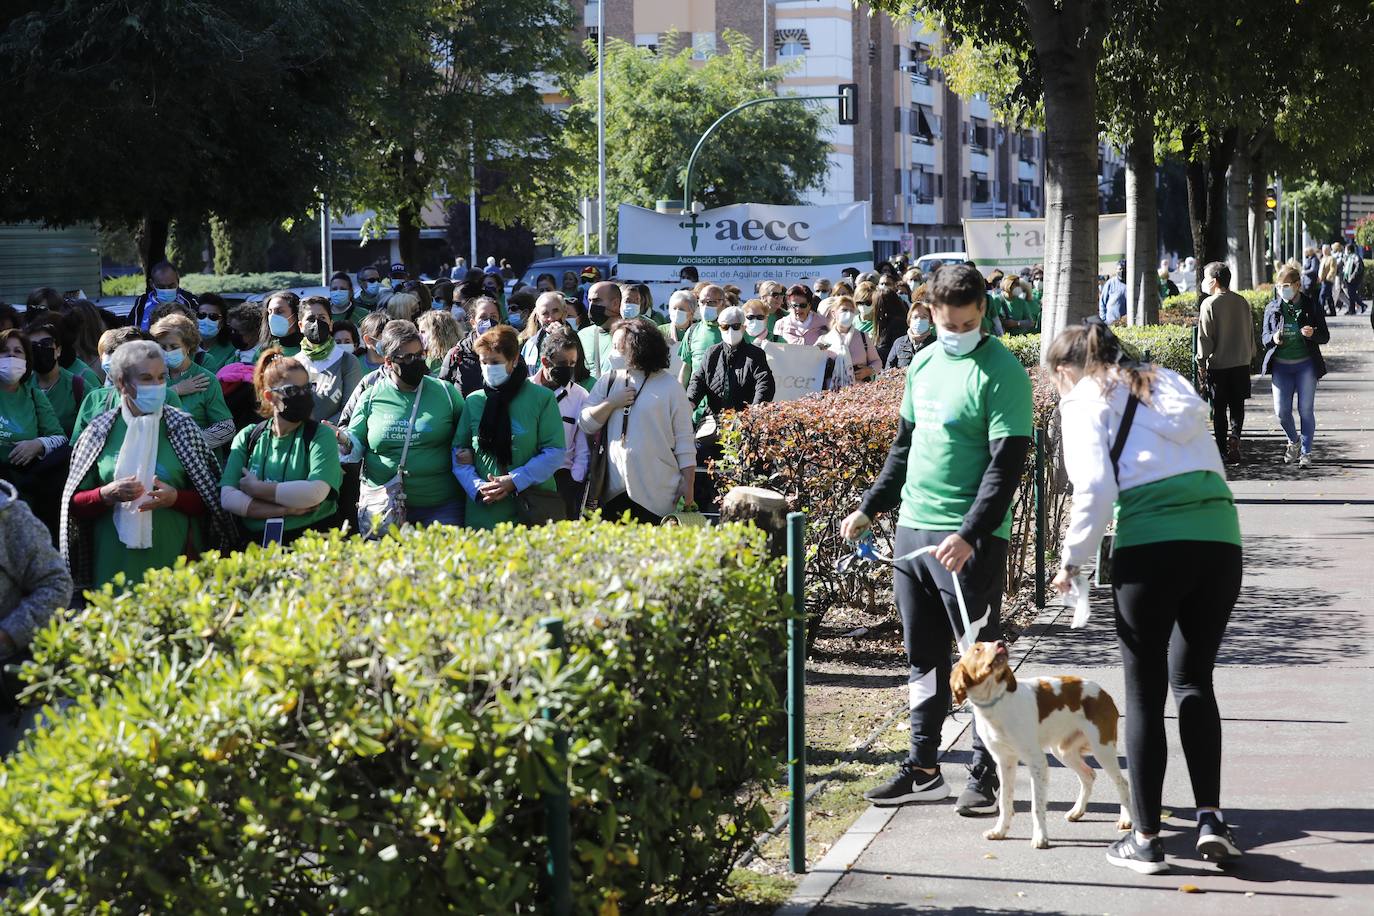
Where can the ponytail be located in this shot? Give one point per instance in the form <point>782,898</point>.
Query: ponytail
<point>1093,349</point>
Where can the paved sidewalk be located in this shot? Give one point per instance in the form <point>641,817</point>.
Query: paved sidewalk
<point>1295,681</point>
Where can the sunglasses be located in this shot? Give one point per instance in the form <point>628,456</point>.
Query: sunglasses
<point>731,327</point>
<point>776,295</point>
<point>49,344</point>
<point>290,391</point>
<point>207,316</point>
<point>408,358</point>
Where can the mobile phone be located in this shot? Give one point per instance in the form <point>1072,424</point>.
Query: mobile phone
<point>273,530</point>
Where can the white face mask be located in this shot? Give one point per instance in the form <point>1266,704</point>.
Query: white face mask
<point>920,327</point>
<point>959,343</point>
<point>1287,293</point>
<point>756,327</point>
<point>709,312</point>
<point>616,360</point>
<point>494,374</point>
<point>845,320</point>
<point>680,318</point>
<point>12,369</point>
<point>732,337</point>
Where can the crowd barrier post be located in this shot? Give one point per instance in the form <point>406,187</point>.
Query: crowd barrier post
<point>556,816</point>
<point>1039,487</point>
<point>796,690</point>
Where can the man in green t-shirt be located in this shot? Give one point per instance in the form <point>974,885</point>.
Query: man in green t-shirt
<point>603,309</point>
<point>962,440</point>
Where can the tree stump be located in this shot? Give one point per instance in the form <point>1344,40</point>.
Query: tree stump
<point>767,509</point>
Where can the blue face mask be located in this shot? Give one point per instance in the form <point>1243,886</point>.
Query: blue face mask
<point>495,374</point>
<point>279,325</point>
<point>338,298</point>
<point>105,371</point>
<point>165,295</point>
<point>959,343</point>
<point>629,310</point>
<point>709,313</point>
<point>373,289</point>
<point>174,358</point>
<point>484,325</point>
<point>150,398</point>
<point>516,320</point>
<point>209,327</point>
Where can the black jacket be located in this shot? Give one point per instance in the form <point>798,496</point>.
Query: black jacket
<point>461,367</point>
<point>1311,269</point>
<point>904,350</point>
<point>1311,315</point>
<point>732,377</point>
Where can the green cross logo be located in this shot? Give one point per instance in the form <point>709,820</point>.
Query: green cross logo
<point>694,225</point>
<point>1007,234</point>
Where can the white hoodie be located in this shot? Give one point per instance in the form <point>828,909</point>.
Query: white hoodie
<point>1169,436</point>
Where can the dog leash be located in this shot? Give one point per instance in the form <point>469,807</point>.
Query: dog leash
<point>866,552</point>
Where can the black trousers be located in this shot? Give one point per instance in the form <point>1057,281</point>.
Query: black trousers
<point>1173,600</point>
<point>930,620</point>
<point>570,490</point>
<point>1230,389</point>
<point>613,508</point>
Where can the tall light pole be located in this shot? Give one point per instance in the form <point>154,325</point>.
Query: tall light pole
<point>601,125</point>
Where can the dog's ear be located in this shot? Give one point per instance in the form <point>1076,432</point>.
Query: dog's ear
<point>958,681</point>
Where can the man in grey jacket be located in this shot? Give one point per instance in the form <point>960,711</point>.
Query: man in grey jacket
<point>1225,349</point>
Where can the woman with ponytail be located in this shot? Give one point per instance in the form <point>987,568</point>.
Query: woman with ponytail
<point>1136,443</point>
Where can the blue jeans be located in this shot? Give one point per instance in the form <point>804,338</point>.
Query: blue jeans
<point>450,513</point>
<point>1300,379</point>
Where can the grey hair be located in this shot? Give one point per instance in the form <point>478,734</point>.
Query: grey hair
<point>397,333</point>
<point>682,299</point>
<point>731,314</point>
<point>127,357</point>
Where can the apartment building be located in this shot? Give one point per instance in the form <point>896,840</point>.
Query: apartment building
<point>925,158</point>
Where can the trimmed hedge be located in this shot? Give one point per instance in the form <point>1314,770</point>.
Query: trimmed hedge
<point>356,727</point>
<point>1170,345</point>
<point>136,285</point>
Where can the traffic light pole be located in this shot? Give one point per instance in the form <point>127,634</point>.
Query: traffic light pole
<point>845,97</point>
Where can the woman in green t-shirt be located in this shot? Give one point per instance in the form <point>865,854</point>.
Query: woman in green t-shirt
<point>513,438</point>
<point>281,322</point>
<point>217,346</point>
<point>1293,334</point>
<point>199,390</point>
<point>405,405</point>
<point>33,445</point>
<point>287,466</point>
<point>1176,564</point>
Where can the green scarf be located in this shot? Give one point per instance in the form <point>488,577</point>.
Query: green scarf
<point>317,352</point>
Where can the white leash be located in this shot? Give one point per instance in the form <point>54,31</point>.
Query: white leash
<point>971,630</point>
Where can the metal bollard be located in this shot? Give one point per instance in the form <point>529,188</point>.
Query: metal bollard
<point>556,815</point>
<point>796,690</point>
<point>1039,437</point>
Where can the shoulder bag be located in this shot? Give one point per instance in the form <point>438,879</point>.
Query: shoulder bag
<point>1108,546</point>
<point>598,467</point>
<point>383,507</point>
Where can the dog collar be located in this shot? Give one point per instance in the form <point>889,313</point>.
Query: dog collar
<point>986,705</point>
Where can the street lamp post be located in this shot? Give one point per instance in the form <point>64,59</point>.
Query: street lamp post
<point>601,125</point>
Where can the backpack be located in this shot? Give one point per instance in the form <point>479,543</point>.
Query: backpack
<point>311,427</point>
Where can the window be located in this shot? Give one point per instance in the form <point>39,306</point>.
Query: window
<point>980,188</point>
<point>703,45</point>
<point>1025,195</point>
<point>647,40</point>
<point>923,186</point>
<point>1027,146</point>
<point>918,63</point>
<point>925,126</point>
<point>790,44</point>
<point>979,135</point>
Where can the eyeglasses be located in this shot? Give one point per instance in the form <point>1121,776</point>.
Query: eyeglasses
<point>755,317</point>
<point>712,301</point>
<point>776,295</point>
<point>290,391</point>
<point>48,344</point>
<point>407,358</point>
<point>731,327</point>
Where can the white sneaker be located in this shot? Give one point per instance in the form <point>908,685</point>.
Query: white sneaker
<point>1290,454</point>
<point>1306,460</point>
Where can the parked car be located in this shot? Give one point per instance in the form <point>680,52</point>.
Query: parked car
<point>929,262</point>
<point>556,266</point>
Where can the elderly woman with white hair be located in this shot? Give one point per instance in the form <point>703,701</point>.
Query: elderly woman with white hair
<point>143,487</point>
<point>682,314</point>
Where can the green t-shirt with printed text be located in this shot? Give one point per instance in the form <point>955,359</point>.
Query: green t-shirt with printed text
<point>379,423</point>
<point>278,459</point>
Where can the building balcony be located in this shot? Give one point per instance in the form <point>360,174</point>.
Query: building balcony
<point>922,152</point>
<point>1027,171</point>
<point>992,209</point>
<point>978,160</point>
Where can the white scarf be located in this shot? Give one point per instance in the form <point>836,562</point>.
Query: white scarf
<point>137,456</point>
<point>314,367</point>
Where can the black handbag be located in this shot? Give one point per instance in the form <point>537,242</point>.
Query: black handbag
<point>1107,548</point>
<point>537,506</point>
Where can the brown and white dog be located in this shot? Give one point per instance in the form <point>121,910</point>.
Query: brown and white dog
<point>1067,716</point>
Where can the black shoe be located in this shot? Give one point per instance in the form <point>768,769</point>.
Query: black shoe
<point>909,785</point>
<point>1144,858</point>
<point>1215,842</point>
<point>979,798</point>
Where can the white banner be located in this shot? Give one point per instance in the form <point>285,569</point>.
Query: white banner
<point>1011,244</point>
<point>745,243</point>
<point>797,370</point>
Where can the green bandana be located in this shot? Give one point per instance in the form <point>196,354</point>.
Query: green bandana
<point>317,352</point>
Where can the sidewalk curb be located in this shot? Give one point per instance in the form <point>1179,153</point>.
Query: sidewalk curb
<point>821,880</point>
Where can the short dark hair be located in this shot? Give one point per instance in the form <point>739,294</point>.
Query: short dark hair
<point>23,339</point>
<point>345,325</point>
<point>558,339</point>
<point>958,285</point>
<point>647,347</point>
<point>689,273</point>
<point>1220,271</point>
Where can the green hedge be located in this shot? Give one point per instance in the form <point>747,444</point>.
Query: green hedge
<point>135,285</point>
<point>356,727</point>
<point>1170,345</point>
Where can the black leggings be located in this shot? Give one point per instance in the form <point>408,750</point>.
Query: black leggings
<point>1173,600</point>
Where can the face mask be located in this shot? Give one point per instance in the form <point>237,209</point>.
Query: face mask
<point>412,372</point>
<point>922,326</point>
<point>239,341</point>
<point>484,325</point>
<point>845,320</point>
<point>209,327</point>
<point>516,320</point>
<point>12,369</point>
<point>756,326</point>
<point>317,332</point>
<point>561,375</point>
<point>709,312</point>
<point>105,370</point>
<point>1019,294</point>
<point>44,360</point>
<point>174,358</point>
<point>494,374</point>
<point>375,348</point>
<point>959,343</point>
<point>866,311</point>
<point>572,321</point>
<point>1287,293</point>
<point>150,398</point>
<point>248,357</point>
<point>1037,284</point>
<point>279,325</point>
<point>679,317</point>
<point>597,312</point>
<point>459,313</point>
<point>616,360</point>
<point>297,408</point>
<point>732,337</point>
<point>372,290</point>
<point>338,298</point>
<point>165,295</point>
<point>629,310</point>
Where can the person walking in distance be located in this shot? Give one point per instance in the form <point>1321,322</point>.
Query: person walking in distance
<point>1326,278</point>
<point>1225,348</point>
<point>963,435</point>
<point>1294,332</point>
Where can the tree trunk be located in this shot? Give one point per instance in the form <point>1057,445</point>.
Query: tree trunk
<point>1068,45</point>
<point>152,247</point>
<point>1238,200</point>
<point>408,232</point>
<point>1142,221</point>
<point>1259,248</point>
<point>1208,161</point>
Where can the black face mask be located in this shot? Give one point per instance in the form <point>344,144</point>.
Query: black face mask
<point>44,359</point>
<point>240,342</point>
<point>412,372</point>
<point>298,407</point>
<point>597,312</point>
<point>561,375</point>
<point>317,332</point>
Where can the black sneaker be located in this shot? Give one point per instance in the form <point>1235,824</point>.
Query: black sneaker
<point>909,785</point>
<point>1144,858</point>
<point>979,798</point>
<point>1215,842</point>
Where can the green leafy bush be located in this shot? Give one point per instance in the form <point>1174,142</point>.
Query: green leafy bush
<point>1170,345</point>
<point>824,451</point>
<point>136,285</point>
<point>356,727</point>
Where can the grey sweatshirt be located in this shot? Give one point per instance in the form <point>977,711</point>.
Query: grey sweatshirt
<point>34,580</point>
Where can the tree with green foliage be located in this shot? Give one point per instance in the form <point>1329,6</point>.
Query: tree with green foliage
<point>1319,205</point>
<point>461,89</point>
<point>141,111</point>
<point>658,104</point>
